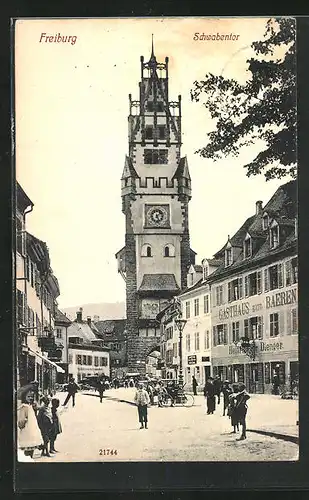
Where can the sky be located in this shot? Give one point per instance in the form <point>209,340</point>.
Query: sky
<point>71,112</point>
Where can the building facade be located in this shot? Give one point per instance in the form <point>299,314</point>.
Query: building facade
<point>37,290</point>
<point>62,322</point>
<point>254,312</point>
<point>87,354</point>
<point>114,335</point>
<point>196,310</point>
<point>155,190</point>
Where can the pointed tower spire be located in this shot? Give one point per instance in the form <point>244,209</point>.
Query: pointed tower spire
<point>152,60</point>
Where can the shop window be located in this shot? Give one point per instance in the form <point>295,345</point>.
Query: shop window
<point>206,304</point>
<point>235,291</point>
<point>235,331</point>
<point>188,311</point>
<point>253,327</point>
<point>267,373</point>
<point>291,271</point>
<point>274,324</point>
<point>196,307</point>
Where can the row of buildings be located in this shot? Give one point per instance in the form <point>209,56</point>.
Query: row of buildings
<point>49,346</point>
<point>239,308</point>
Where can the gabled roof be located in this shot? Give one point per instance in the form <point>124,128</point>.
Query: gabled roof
<point>163,282</point>
<point>282,207</point>
<point>23,200</point>
<point>213,262</point>
<point>111,327</point>
<point>183,169</point>
<point>60,317</point>
<point>81,330</point>
<point>129,170</point>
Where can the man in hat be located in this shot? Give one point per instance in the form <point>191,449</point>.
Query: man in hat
<point>226,390</point>
<point>72,390</point>
<point>209,393</point>
<point>142,401</point>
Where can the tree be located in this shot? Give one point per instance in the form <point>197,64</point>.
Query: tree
<point>264,108</point>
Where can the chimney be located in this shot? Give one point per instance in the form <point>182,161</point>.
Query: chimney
<point>259,207</point>
<point>79,315</point>
<point>89,320</point>
<point>96,318</point>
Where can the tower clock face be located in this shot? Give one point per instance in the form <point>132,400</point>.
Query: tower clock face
<point>157,215</point>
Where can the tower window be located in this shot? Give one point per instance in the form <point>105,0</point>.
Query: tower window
<point>149,132</point>
<point>146,250</point>
<point>150,106</point>
<point>161,131</point>
<point>155,156</point>
<point>169,250</point>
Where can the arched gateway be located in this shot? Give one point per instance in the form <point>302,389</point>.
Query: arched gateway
<point>155,190</point>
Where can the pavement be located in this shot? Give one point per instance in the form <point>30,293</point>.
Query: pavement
<point>109,431</point>
<point>267,414</point>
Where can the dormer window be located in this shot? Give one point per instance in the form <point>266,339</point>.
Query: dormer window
<point>265,221</point>
<point>274,236</point>
<point>228,256</point>
<point>205,271</point>
<point>247,247</point>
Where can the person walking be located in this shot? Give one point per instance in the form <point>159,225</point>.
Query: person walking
<point>56,425</point>
<point>218,387</point>
<point>72,390</point>
<point>29,436</point>
<point>101,388</point>
<point>226,391</point>
<point>194,385</point>
<point>241,409</point>
<point>209,393</point>
<point>232,409</point>
<point>150,392</point>
<point>142,401</point>
<point>45,422</point>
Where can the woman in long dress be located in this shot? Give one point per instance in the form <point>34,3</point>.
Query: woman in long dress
<point>28,433</point>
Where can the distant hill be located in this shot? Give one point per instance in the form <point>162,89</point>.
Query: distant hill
<point>115,310</point>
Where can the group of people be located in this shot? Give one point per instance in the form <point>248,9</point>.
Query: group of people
<point>38,422</point>
<point>235,399</point>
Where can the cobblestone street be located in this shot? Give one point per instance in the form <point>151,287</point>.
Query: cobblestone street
<point>174,434</point>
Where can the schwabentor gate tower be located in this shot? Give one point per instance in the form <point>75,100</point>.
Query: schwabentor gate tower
<point>155,190</point>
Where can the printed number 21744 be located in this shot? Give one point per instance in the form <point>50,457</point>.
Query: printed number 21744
<point>108,451</point>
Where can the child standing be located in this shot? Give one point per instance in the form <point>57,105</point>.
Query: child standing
<point>45,423</point>
<point>241,409</point>
<point>142,401</point>
<point>56,425</point>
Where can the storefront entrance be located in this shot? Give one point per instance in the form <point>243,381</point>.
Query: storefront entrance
<point>238,374</point>
<point>255,378</point>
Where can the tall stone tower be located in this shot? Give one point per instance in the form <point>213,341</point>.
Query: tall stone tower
<point>155,190</point>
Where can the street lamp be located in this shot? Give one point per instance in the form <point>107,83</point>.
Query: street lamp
<point>180,323</point>
<point>247,346</point>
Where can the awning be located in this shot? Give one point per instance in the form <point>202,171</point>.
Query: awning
<point>58,368</point>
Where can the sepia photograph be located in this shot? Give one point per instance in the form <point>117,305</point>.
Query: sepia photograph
<point>156,254</point>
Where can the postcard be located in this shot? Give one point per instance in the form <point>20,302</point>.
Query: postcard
<point>156,260</point>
